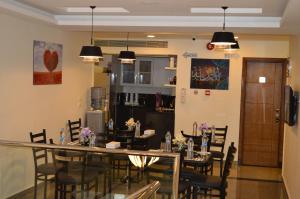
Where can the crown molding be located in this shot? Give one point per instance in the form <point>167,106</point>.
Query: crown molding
<point>170,21</point>
<point>26,10</point>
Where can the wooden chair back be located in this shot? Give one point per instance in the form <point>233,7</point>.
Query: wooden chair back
<point>198,140</point>
<point>40,156</point>
<point>221,133</point>
<point>228,163</point>
<point>74,128</point>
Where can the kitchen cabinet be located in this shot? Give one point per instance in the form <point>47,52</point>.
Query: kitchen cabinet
<point>138,73</point>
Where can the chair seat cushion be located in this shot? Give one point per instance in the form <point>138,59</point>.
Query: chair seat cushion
<point>47,169</point>
<point>217,154</point>
<point>205,181</point>
<point>166,187</point>
<point>75,177</point>
<point>197,179</point>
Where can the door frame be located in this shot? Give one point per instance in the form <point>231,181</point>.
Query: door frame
<point>284,62</point>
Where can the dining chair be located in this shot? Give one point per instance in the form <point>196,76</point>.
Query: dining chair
<point>43,168</point>
<point>197,147</point>
<point>218,148</point>
<point>162,171</point>
<point>73,174</point>
<point>198,140</point>
<point>201,182</point>
<point>121,162</point>
<point>74,128</point>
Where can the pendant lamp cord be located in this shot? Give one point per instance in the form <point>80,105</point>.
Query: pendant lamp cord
<point>127,40</point>
<point>92,34</point>
<point>224,8</point>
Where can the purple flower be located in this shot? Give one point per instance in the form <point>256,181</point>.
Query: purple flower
<point>203,127</point>
<point>85,132</point>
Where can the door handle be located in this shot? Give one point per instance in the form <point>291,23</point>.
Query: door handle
<point>277,115</point>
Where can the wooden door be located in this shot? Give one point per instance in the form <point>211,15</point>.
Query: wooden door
<point>262,114</point>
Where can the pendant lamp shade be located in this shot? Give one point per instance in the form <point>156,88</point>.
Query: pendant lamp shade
<point>223,38</point>
<point>127,56</point>
<point>91,53</point>
<point>233,47</point>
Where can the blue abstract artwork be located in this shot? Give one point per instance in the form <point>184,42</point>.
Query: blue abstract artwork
<point>210,74</point>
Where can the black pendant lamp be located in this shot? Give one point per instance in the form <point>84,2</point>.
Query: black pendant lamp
<point>91,53</point>
<point>233,47</point>
<point>223,38</point>
<point>127,56</point>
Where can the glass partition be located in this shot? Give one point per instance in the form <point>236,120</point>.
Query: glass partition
<point>64,171</point>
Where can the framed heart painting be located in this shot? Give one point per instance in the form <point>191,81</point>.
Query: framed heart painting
<point>47,63</point>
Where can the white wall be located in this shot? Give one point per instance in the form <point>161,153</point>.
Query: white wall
<point>222,107</point>
<point>291,147</point>
<point>25,107</point>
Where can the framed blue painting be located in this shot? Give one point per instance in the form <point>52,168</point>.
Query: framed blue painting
<point>209,74</point>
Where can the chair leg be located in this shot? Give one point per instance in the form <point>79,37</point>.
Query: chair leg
<point>96,188</point>
<point>188,193</point>
<point>223,193</point>
<point>61,191</point>
<point>104,183</point>
<point>35,186</point>
<point>56,191</point>
<point>82,191</point>
<point>45,187</point>
<point>65,191</point>
<point>109,182</point>
<point>194,193</point>
<point>212,168</point>
<point>73,193</point>
<point>87,191</point>
<point>221,167</point>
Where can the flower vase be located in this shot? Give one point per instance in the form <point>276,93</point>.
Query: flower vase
<point>86,143</point>
<point>180,147</point>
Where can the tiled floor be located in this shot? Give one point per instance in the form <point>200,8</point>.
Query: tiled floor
<point>245,182</point>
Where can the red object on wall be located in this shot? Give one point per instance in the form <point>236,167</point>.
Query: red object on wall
<point>210,46</point>
<point>50,60</point>
<point>207,92</point>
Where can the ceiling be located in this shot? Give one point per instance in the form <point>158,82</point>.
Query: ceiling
<point>165,17</point>
<point>271,8</point>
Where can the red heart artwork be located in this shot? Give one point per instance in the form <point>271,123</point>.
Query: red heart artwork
<point>50,60</point>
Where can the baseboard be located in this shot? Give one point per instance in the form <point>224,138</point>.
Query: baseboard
<point>26,191</point>
<point>285,188</point>
<point>22,193</point>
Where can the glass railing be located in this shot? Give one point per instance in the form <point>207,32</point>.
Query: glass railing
<point>32,170</point>
<point>147,192</point>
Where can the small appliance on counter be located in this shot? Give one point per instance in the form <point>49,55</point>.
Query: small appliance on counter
<point>97,97</point>
<point>95,121</point>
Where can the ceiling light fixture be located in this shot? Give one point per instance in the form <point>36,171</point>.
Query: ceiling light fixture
<point>229,10</point>
<point>233,47</point>
<point>127,56</point>
<point>98,10</point>
<point>151,36</point>
<point>91,53</point>
<point>223,38</point>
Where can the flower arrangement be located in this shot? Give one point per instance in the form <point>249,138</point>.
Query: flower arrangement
<point>85,135</point>
<point>203,127</point>
<point>130,124</point>
<point>180,141</point>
